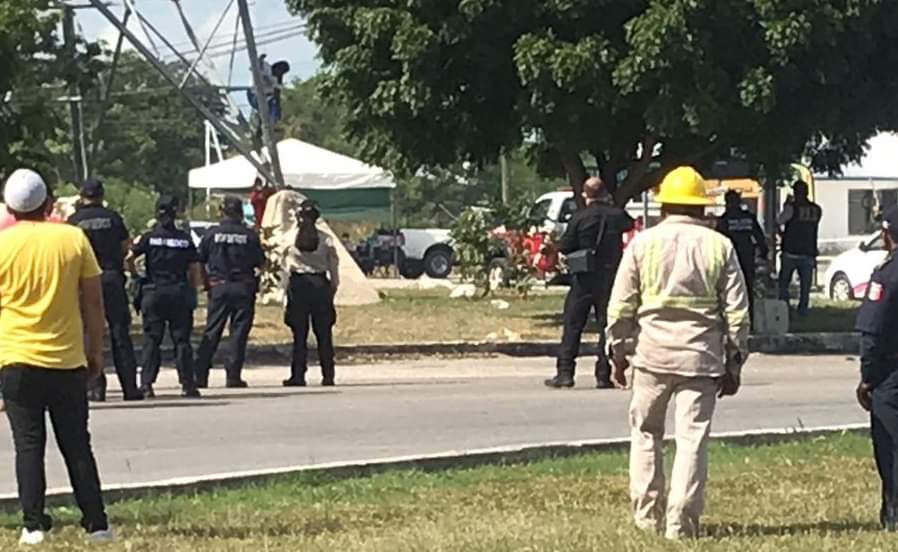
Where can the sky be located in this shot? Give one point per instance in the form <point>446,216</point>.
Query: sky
<point>270,19</point>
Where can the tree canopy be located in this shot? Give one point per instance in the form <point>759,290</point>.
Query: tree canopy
<point>632,87</point>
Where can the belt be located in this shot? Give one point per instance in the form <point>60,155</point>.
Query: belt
<point>215,282</point>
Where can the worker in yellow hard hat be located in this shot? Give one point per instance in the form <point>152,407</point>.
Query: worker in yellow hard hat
<point>679,316</point>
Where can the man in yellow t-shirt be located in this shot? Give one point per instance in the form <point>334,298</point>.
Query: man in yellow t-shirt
<point>51,343</point>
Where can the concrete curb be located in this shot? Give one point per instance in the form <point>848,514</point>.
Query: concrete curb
<point>789,344</point>
<point>281,353</point>
<point>427,462</point>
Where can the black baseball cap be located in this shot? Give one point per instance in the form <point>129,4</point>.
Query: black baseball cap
<point>167,203</point>
<point>92,188</point>
<point>890,221</point>
<point>232,204</point>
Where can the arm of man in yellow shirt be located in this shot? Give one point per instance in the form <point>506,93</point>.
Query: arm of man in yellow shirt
<point>92,315</point>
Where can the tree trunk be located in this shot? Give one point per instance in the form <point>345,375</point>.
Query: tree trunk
<point>576,172</point>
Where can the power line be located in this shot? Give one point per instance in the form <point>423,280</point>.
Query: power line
<point>224,49</point>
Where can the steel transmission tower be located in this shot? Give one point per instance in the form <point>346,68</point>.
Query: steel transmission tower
<point>178,70</point>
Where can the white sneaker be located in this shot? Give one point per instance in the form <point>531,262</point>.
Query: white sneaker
<point>98,537</point>
<point>32,538</point>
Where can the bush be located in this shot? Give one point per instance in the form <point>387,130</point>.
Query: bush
<point>481,235</point>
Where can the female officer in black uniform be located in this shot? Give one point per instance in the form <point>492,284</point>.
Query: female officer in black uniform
<point>173,273</point>
<point>311,260</point>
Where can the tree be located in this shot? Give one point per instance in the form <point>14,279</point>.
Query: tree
<point>149,134</point>
<point>310,117</point>
<point>33,72</point>
<point>633,87</point>
<point>433,196</point>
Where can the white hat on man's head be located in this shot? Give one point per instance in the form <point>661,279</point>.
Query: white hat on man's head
<point>24,191</point>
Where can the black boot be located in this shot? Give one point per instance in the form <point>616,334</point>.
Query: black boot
<point>564,380</point>
<point>888,516</point>
<point>603,375</point>
<point>190,392</point>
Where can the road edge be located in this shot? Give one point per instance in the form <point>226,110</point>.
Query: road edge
<point>426,462</point>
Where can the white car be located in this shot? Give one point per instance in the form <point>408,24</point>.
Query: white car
<point>849,274</point>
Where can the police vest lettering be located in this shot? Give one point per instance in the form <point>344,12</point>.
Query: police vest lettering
<point>96,224</point>
<point>740,225</point>
<point>169,243</point>
<point>808,214</point>
<point>237,239</point>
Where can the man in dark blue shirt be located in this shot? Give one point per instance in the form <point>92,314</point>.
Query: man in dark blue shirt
<point>173,273</point>
<point>877,321</point>
<point>109,238</point>
<point>232,254</point>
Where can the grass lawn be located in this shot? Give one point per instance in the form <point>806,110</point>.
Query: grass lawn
<point>812,495</point>
<point>431,316</point>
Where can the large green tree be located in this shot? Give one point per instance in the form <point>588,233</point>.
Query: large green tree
<point>34,71</point>
<point>633,87</point>
<point>433,196</point>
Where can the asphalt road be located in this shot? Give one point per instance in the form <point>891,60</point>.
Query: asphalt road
<point>415,407</point>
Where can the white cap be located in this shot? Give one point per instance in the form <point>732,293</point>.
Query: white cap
<point>25,191</point>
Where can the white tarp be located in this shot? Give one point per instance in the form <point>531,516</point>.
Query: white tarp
<point>305,167</point>
<point>355,288</point>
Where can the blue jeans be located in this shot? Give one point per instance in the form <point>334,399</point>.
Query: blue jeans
<point>805,267</point>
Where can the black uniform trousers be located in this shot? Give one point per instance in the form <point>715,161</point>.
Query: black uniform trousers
<point>167,305</point>
<point>118,318</point>
<point>234,302</point>
<point>310,301</point>
<point>748,272</point>
<point>884,429</point>
<point>588,292</point>
<point>30,393</point>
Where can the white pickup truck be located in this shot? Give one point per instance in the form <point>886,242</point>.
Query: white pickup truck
<point>426,251</point>
<point>554,209</point>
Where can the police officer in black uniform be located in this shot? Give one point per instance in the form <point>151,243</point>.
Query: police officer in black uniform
<point>173,274</point>
<point>877,392</point>
<point>110,241</point>
<point>800,219</point>
<point>742,228</point>
<point>590,291</point>
<point>232,253</point>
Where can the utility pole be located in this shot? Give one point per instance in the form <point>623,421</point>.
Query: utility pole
<point>503,164</point>
<point>79,152</point>
<point>262,99</point>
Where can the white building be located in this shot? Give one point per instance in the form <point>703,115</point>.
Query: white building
<point>851,201</point>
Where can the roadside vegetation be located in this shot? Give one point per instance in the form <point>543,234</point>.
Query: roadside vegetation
<point>815,494</point>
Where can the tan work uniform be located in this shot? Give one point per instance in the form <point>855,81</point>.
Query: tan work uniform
<point>679,310</point>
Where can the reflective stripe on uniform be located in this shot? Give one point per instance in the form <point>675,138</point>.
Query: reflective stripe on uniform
<point>617,311</point>
<point>715,255</point>
<point>737,317</point>
<point>650,269</point>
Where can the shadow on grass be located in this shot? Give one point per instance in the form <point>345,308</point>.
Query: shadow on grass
<point>816,528</point>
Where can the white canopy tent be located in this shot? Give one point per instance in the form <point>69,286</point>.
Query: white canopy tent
<point>343,187</point>
<point>305,167</point>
